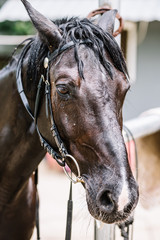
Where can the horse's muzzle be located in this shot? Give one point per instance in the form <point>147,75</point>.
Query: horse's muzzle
<point>112,205</point>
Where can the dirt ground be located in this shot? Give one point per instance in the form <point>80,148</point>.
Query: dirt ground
<point>54,190</point>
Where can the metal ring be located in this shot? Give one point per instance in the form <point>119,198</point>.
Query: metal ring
<point>78,177</point>
<point>102,10</point>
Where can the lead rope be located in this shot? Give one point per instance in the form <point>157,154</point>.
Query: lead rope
<point>69,215</point>
<point>37,206</point>
<point>69,211</point>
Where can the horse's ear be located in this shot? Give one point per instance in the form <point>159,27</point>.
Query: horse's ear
<point>107,20</point>
<point>48,31</point>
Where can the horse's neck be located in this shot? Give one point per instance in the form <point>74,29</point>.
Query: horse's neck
<point>8,99</point>
<point>20,150</point>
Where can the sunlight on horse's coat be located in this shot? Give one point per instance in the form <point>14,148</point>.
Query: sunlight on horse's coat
<point>123,197</point>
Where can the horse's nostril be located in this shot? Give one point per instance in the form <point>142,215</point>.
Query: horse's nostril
<point>106,199</point>
<point>105,202</point>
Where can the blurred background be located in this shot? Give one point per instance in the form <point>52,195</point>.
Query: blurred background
<point>140,43</point>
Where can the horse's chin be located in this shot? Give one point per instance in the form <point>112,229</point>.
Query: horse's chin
<point>109,219</point>
<point>115,217</point>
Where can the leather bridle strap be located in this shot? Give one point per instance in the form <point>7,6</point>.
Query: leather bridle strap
<point>44,143</point>
<point>57,52</point>
<point>63,154</point>
<point>37,205</point>
<point>19,80</point>
<point>24,99</point>
<point>69,215</point>
<point>68,45</point>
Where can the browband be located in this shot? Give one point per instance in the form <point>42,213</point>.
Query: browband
<point>66,46</point>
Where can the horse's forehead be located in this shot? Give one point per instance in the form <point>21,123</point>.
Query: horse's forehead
<point>66,64</point>
<point>94,72</point>
<point>68,58</point>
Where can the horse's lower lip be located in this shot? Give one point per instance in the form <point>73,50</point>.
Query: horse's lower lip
<point>113,218</point>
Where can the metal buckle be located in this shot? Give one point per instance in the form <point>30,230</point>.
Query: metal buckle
<point>78,177</point>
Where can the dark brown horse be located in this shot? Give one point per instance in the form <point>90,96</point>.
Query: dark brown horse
<point>87,78</point>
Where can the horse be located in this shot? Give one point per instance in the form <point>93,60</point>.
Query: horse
<point>65,91</point>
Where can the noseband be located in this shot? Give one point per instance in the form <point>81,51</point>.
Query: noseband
<point>63,153</point>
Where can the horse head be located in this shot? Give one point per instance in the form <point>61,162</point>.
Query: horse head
<point>88,87</point>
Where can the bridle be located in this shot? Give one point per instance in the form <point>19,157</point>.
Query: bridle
<point>63,153</point>
<point>45,80</point>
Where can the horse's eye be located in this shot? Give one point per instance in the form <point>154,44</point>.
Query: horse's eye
<point>62,89</point>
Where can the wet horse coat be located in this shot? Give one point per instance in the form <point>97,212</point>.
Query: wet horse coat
<point>88,86</point>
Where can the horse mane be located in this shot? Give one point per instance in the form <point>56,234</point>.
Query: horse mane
<point>75,30</point>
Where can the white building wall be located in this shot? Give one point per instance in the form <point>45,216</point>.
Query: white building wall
<point>145,92</point>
